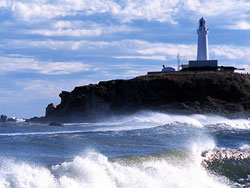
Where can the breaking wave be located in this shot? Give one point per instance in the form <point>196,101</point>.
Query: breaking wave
<point>232,163</point>
<point>93,169</point>
<point>148,119</point>
<point>220,154</point>
<point>153,119</point>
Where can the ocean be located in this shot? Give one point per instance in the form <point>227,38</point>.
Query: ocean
<point>144,150</point>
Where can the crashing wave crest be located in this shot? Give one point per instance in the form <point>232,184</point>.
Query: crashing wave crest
<point>220,154</point>
<point>94,170</point>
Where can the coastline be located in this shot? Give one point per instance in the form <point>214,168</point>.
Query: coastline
<point>218,93</point>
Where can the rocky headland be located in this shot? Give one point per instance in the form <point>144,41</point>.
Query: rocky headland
<point>180,92</point>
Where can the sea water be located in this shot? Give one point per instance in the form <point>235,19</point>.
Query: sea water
<point>144,150</point>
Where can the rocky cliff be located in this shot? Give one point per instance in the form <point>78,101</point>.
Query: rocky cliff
<point>201,92</point>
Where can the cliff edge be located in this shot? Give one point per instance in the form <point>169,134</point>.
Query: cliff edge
<point>191,92</point>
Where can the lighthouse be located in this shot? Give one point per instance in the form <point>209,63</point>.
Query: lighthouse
<point>202,50</point>
<point>202,63</point>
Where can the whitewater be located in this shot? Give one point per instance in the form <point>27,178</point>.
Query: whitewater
<point>144,150</point>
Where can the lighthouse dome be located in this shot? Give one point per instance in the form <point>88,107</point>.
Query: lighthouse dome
<point>202,22</point>
<point>203,19</point>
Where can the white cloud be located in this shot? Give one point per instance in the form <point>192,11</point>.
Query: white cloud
<point>167,49</point>
<point>40,10</point>
<point>68,32</point>
<point>62,68</point>
<point>3,3</point>
<point>69,28</point>
<point>65,24</point>
<point>81,29</point>
<point>37,11</point>
<point>231,52</point>
<point>127,10</point>
<point>242,25</point>
<point>53,68</point>
<point>38,89</point>
<point>124,49</point>
<point>31,90</point>
<point>162,58</point>
<point>188,52</point>
<point>60,44</point>
<point>224,8</point>
<point>192,5</point>
<point>160,10</point>
<point>42,89</point>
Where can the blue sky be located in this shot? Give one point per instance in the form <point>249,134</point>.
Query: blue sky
<point>48,46</point>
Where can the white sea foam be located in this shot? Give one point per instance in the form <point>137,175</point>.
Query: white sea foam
<point>222,121</point>
<point>144,120</point>
<point>94,170</point>
<point>22,175</point>
<point>153,119</point>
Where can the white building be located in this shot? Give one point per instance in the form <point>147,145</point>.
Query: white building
<point>202,50</point>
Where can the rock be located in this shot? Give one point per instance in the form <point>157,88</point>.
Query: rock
<point>3,118</point>
<point>188,92</point>
<point>55,124</point>
<point>38,120</point>
<point>64,96</point>
<point>11,120</point>
<point>50,109</point>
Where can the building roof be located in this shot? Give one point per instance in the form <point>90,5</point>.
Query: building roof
<point>203,19</point>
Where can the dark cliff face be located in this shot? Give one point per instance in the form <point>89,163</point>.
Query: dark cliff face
<point>209,92</point>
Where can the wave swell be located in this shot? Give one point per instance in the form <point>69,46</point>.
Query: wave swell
<point>94,170</point>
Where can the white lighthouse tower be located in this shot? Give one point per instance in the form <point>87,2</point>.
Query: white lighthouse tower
<point>202,50</point>
<point>202,63</point>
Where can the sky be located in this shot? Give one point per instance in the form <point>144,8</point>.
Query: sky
<point>47,46</point>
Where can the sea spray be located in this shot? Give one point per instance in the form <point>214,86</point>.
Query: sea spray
<point>23,175</point>
<point>149,119</point>
<point>94,170</point>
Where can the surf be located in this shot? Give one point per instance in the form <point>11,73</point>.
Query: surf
<point>93,169</point>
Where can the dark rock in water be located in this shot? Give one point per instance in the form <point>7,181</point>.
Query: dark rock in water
<point>44,120</point>
<point>55,124</point>
<point>189,92</point>
<point>3,118</point>
<point>11,120</point>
